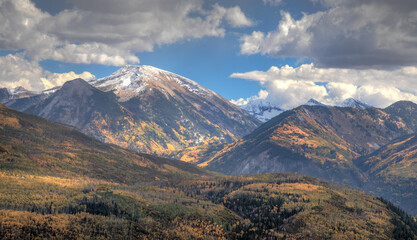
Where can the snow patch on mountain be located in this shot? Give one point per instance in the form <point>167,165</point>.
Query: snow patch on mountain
<point>350,102</point>
<point>131,80</point>
<point>261,109</point>
<point>264,110</point>
<point>21,92</point>
<point>313,102</point>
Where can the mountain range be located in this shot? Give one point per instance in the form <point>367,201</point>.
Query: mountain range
<point>142,108</point>
<point>150,110</point>
<point>56,182</point>
<point>261,109</point>
<point>264,110</point>
<point>322,142</point>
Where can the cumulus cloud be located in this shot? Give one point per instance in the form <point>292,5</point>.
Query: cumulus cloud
<point>349,34</point>
<point>262,95</point>
<point>17,71</point>
<point>109,32</point>
<point>20,26</point>
<point>289,87</point>
<point>52,80</point>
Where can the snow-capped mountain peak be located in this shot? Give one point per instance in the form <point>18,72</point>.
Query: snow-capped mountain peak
<point>130,80</point>
<point>350,102</point>
<point>313,102</point>
<point>261,109</point>
<point>21,92</point>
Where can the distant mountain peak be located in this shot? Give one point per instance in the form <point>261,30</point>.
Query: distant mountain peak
<point>351,102</point>
<point>261,109</point>
<point>20,92</point>
<point>314,102</point>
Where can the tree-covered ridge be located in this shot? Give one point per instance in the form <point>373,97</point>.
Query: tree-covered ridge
<point>280,206</point>
<point>331,143</point>
<point>272,206</point>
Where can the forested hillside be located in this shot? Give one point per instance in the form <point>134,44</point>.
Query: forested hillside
<point>58,183</point>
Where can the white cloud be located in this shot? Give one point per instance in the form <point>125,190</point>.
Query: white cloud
<point>109,32</point>
<point>58,79</point>
<point>382,96</point>
<point>237,18</point>
<point>16,71</point>
<point>251,44</point>
<point>19,28</point>
<point>349,34</point>
<point>262,94</point>
<point>339,91</point>
<point>291,93</point>
<point>289,87</point>
<point>87,53</point>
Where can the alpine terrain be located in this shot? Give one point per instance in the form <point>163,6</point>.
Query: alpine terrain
<point>261,109</point>
<point>322,142</point>
<point>264,110</point>
<point>142,108</point>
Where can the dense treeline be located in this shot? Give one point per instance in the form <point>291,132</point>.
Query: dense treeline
<point>405,226</point>
<point>274,206</point>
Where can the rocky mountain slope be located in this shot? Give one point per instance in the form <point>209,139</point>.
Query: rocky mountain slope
<point>56,182</point>
<point>317,141</point>
<point>143,108</point>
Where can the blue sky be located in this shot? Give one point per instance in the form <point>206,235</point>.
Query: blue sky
<point>334,49</point>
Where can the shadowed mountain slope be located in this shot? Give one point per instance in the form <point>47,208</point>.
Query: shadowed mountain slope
<point>392,172</point>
